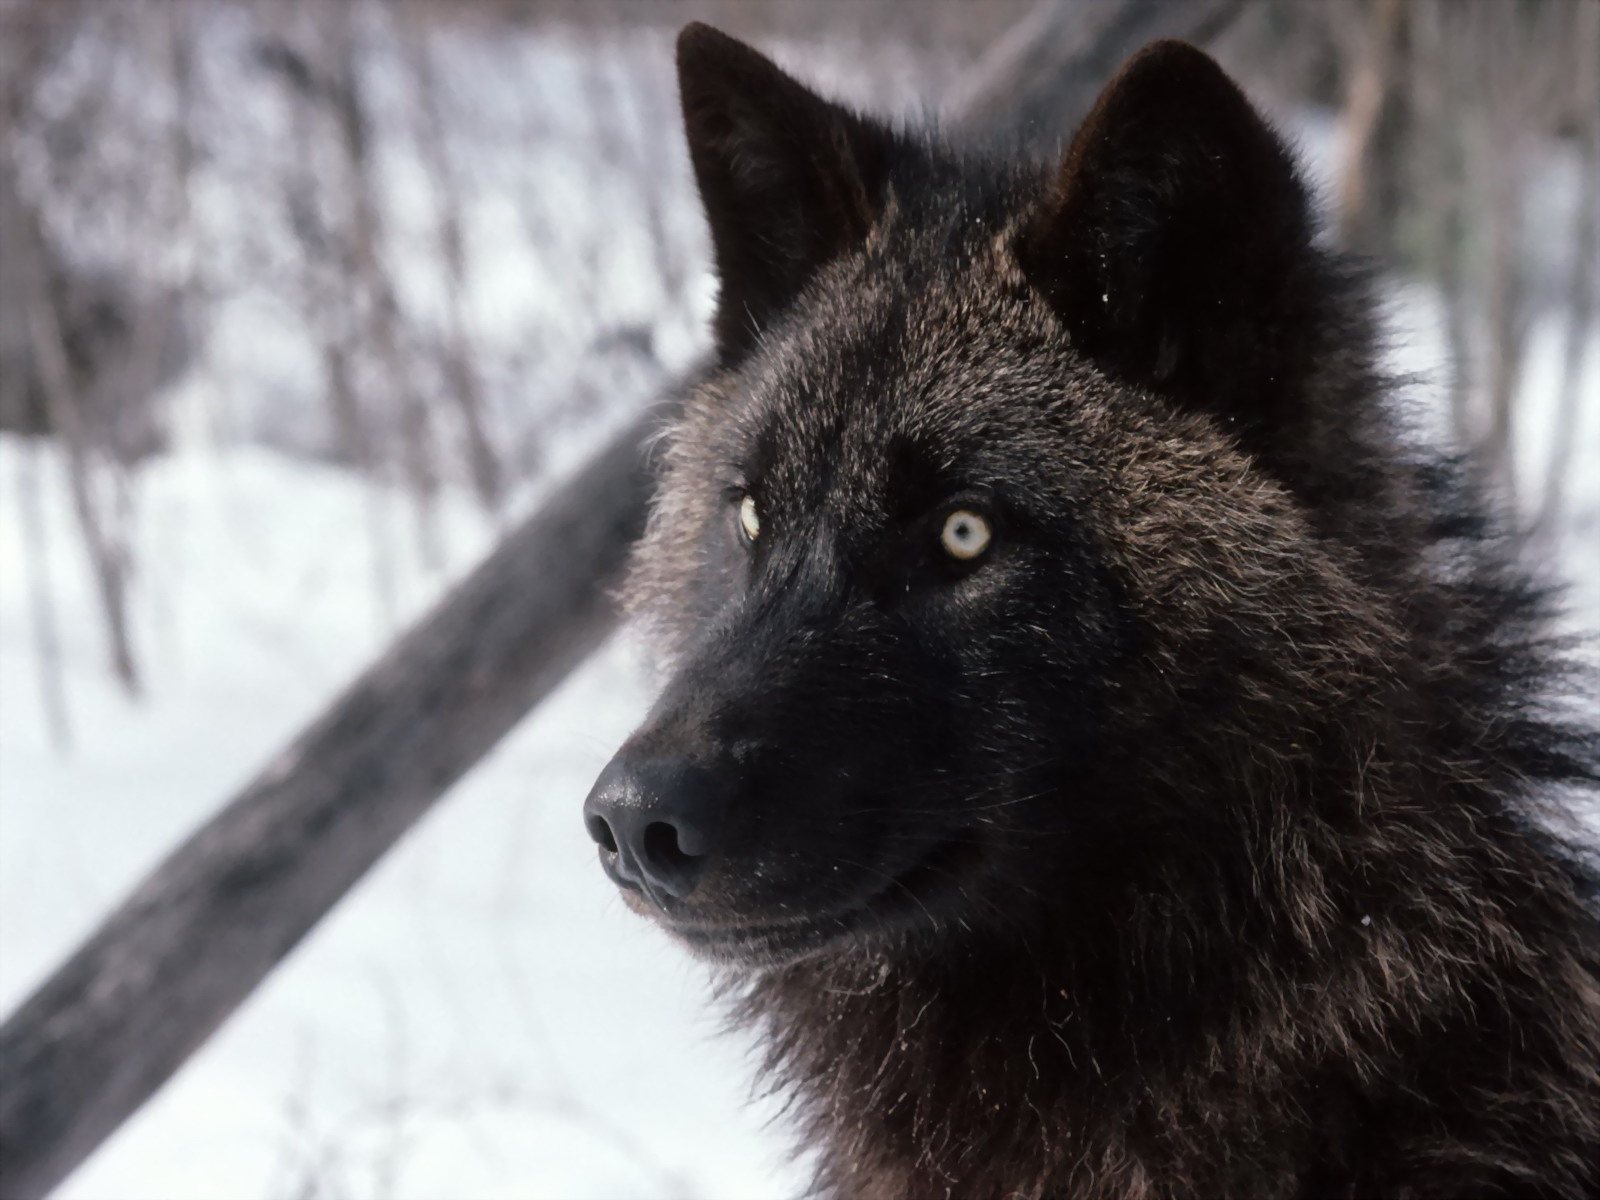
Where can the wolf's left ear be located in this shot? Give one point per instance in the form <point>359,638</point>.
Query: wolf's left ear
<point>788,180</point>
<point>1175,238</point>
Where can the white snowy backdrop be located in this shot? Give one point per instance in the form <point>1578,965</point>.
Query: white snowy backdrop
<point>481,1017</point>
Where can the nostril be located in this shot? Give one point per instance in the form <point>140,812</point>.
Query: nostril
<point>657,823</point>
<point>600,831</point>
<point>662,849</point>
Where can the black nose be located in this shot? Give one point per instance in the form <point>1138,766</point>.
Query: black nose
<point>657,822</point>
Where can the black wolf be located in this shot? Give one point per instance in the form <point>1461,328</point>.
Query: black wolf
<point>1107,760</point>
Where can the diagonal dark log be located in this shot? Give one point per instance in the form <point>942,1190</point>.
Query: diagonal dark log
<point>181,953</point>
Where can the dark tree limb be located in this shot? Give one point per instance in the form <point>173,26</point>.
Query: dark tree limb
<point>169,966</point>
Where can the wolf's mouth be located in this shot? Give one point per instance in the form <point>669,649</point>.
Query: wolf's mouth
<point>912,900</point>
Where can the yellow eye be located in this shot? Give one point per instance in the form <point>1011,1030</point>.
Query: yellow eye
<point>749,518</point>
<point>965,534</point>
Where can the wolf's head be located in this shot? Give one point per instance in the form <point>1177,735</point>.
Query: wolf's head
<point>1020,500</point>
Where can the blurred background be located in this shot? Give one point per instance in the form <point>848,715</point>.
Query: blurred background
<point>305,303</point>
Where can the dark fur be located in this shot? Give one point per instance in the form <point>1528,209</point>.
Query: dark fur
<point>1202,839</point>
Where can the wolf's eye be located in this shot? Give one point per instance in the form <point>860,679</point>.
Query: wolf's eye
<point>965,535</point>
<point>749,518</point>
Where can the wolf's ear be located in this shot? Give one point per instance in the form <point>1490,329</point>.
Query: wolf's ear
<point>1175,237</point>
<point>788,180</point>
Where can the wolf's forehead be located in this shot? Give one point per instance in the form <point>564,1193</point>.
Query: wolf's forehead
<point>843,437</point>
<point>906,375</point>
<point>867,446</point>
<point>927,368</point>
<point>836,402</point>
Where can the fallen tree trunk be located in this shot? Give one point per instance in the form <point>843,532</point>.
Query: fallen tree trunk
<point>180,954</point>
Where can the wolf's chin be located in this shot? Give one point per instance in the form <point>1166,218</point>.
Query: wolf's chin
<point>765,948</point>
<point>905,908</point>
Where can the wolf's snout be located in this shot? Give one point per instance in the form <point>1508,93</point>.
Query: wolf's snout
<point>657,822</point>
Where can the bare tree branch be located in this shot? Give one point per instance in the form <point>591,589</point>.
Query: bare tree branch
<point>1372,88</point>
<point>379,307</point>
<point>483,461</point>
<point>1583,281</point>
<point>107,557</point>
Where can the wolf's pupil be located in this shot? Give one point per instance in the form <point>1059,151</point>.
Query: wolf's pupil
<point>965,535</point>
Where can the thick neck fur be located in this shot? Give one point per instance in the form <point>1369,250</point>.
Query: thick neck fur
<point>1323,971</point>
<point>1337,892</point>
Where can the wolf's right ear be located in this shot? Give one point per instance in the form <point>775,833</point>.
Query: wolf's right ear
<point>788,180</point>
<point>1176,241</point>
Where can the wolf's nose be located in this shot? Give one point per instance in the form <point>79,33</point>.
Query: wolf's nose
<point>657,822</point>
